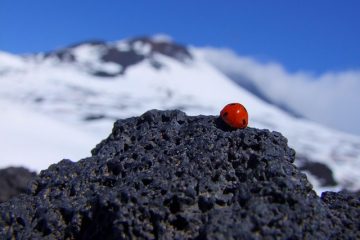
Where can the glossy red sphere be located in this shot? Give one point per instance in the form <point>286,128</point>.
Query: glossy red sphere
<point>235,115</point>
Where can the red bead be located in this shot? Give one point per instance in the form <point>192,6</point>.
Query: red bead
<point>235,115</point>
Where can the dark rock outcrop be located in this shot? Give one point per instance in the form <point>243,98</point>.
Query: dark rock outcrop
<point>319,170</point>
<point>13,181</point>
<point>165,175</point>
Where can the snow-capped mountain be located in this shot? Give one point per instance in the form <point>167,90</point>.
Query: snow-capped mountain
<point>71,97</point>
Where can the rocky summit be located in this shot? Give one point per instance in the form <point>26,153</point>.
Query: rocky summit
<point>165,175</point>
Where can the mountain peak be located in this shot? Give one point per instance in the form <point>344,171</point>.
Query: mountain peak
<point>108,59</point>
<point>161,38</point>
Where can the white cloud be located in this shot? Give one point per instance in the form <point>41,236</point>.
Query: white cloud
<point>332,98</point>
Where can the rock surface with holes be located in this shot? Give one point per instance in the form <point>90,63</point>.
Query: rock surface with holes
<point>166,175</point>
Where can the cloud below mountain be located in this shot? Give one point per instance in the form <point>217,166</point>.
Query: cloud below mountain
<point>331,98</point>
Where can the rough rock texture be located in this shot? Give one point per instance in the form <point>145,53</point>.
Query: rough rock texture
<point>13,181</point>
<point>165,175</point>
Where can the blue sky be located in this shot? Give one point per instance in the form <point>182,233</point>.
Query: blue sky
<point>315,36</point>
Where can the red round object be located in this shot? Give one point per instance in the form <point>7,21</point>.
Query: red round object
<point>235,115</point>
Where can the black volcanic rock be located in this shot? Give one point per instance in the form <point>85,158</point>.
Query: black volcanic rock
<point>322,172</point>
<point>165,175</point>
<point>123,58</point>
<point>345,206</point>
<point>13,181</point>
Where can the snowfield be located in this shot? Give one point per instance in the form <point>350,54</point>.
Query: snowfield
<point>53,109</point>
<point>35,140</point>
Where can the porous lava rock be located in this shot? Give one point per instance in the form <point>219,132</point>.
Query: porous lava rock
<point>13,181</point>
<point>165,175</point>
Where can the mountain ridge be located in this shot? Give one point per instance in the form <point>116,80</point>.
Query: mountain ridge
<point>123,53</point>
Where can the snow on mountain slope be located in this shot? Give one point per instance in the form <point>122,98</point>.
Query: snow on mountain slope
<point>9,63</point>
<point>34,140</point>
<point>89,85</point>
